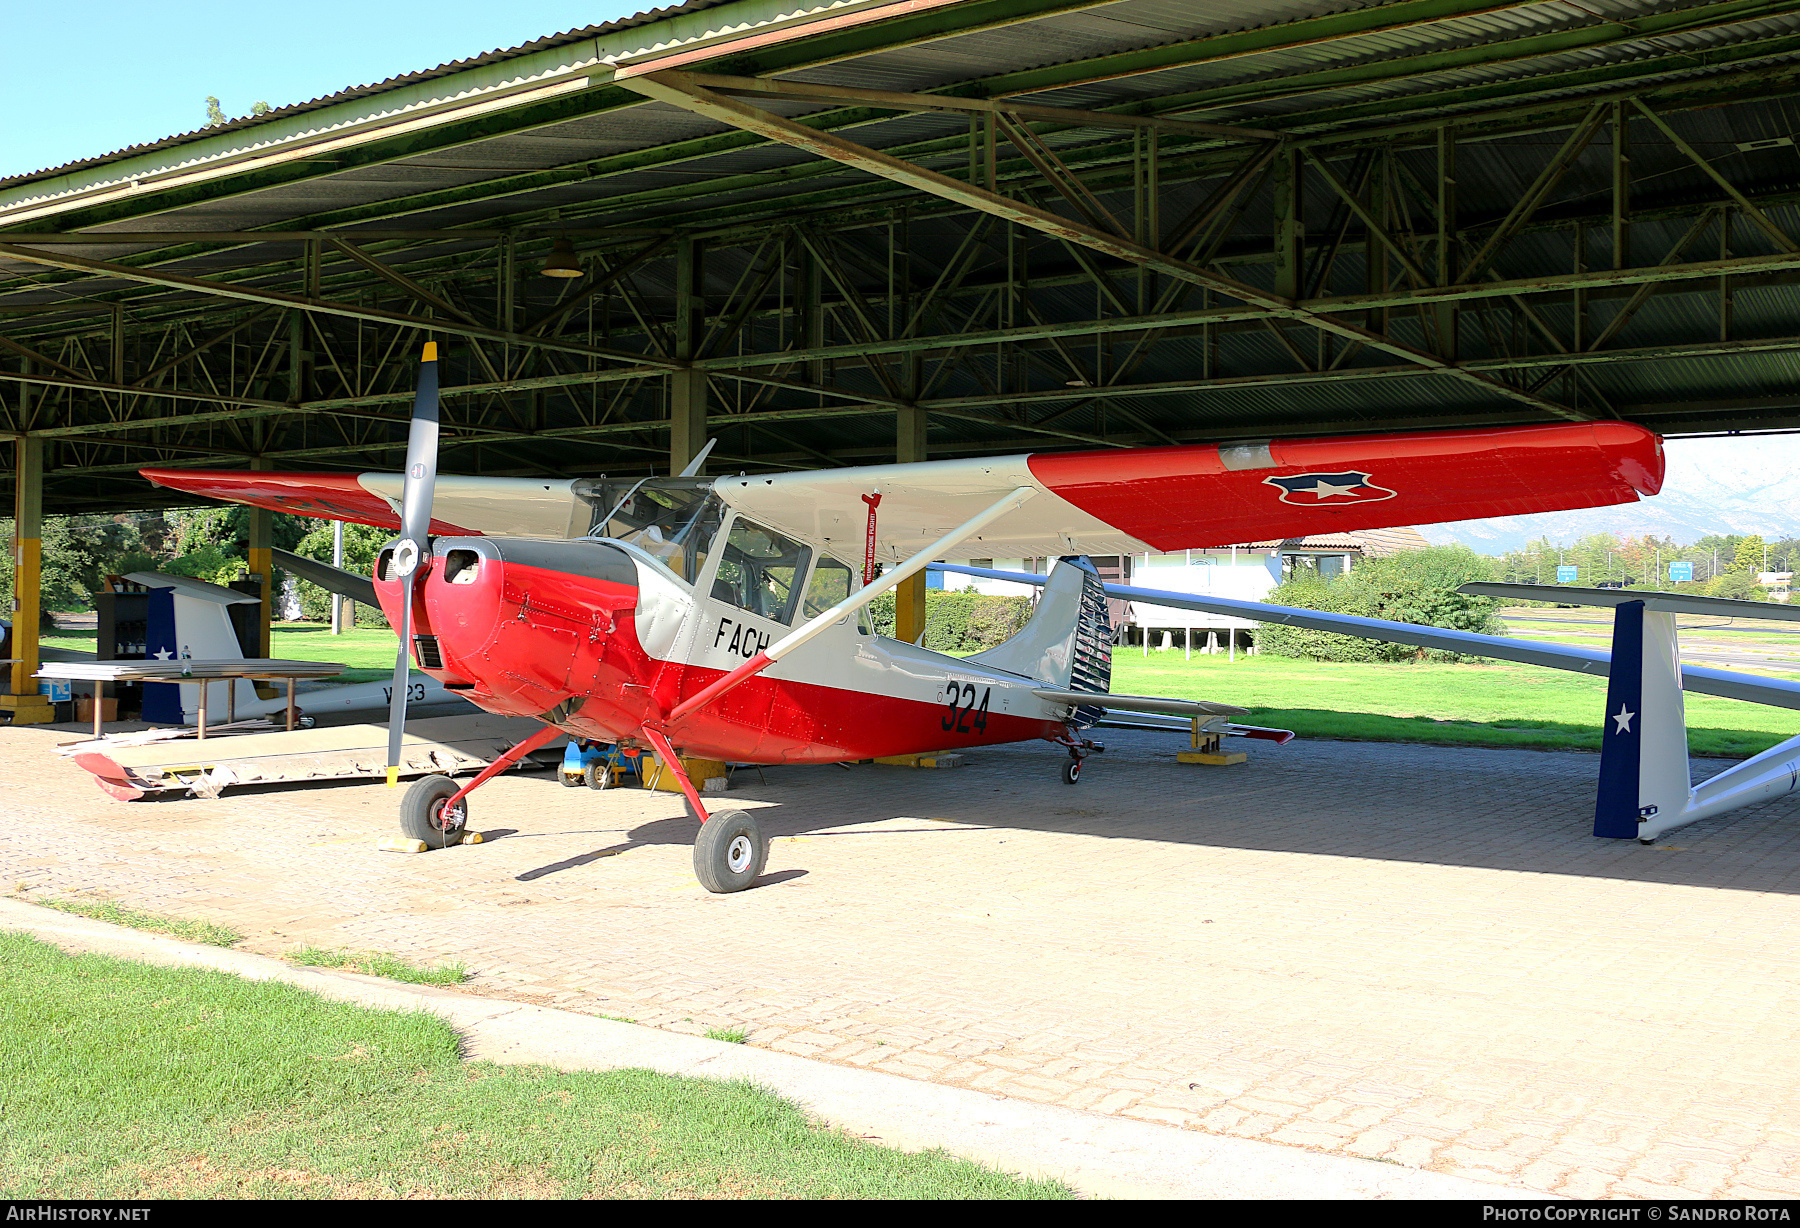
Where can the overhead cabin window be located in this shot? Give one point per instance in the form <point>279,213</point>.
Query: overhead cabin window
<point>672,519</point>
<point>760,571</point>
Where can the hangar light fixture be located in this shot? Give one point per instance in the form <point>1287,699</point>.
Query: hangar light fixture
<point>562,262</point>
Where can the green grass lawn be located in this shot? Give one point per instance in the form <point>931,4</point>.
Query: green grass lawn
<point>124,1080</point>
<point>1474,705</point>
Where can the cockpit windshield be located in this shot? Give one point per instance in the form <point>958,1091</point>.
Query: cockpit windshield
<point>671,519</point>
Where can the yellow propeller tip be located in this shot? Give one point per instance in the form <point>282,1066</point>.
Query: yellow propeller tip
<point>393,776</point>
<point>430,352</point>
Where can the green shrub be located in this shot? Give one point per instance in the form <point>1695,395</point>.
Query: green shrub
<point>963,621</point>
<point>1414,586</point>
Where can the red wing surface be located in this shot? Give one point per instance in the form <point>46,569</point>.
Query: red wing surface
<point>1175,498</point>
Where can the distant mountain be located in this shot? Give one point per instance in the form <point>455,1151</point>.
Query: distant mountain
<point>1743,484</point>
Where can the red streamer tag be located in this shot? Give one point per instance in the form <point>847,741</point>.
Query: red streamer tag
<point>874,501</point>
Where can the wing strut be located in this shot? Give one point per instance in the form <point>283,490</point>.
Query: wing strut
<point>850,605</point>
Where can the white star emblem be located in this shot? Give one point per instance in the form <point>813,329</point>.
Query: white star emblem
<point>1624,719</point>
<point>1326,490</point>
<point>163,654</point>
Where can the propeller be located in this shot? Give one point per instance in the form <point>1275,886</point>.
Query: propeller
<point>415,529</point>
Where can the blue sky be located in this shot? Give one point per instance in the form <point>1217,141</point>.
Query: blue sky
<point>83,79</point>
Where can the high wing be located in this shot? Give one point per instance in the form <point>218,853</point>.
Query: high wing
<point>1773,691</point>
<point>1130,500</point>
<point>1113,501</point>
<point>461,506</point>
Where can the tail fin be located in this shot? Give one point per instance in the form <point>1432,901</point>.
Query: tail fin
<point>1644,781</point>
<point>1068,642</point>
<point>192,618</point>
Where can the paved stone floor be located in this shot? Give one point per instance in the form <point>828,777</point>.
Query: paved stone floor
<point>1408,953</point>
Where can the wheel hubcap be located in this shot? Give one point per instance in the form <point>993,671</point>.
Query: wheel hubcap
<point>447,820</point>
<point>739,853</point>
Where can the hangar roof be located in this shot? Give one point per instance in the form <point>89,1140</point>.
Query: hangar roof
<point>1620,187</point>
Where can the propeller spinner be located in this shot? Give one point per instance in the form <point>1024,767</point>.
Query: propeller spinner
<point>415,528</point>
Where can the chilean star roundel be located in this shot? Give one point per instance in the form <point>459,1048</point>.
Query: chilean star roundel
<point>1315,489</point>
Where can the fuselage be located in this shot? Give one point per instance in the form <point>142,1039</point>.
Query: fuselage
<point>601,638</point>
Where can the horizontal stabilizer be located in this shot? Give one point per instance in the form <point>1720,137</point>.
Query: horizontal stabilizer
<point>1671,603</point>
<point>1281,737</point>
<point>1139,703</point>
<point>331,579</point>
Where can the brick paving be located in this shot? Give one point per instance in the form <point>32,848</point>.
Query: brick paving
<point>1408,953</point>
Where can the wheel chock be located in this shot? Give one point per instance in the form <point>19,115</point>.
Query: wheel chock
<point>923,761</point>
<point>708,775</point>
<point>399,844</point>
<point>471,837</point>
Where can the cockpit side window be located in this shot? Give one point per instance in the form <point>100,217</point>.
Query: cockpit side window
<point>760,571</point>
<point>673,519</point>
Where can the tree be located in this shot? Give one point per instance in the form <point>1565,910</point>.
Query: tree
<point>1749,557</point>
<point>362,543</point>
<point>215,114</point>
<point>1414,586</point>
<point>1740,585</point>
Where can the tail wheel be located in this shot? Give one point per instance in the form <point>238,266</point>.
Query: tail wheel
<point>598,774</point>
<point>1071,772</point>
<point>730,853</point>
<point>424,817</point>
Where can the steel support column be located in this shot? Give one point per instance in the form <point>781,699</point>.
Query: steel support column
<point>909,597</point>
<point>26,706</point>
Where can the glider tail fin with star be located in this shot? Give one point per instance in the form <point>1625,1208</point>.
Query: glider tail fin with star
<point>1645,788</point>
<point>1643,745</point>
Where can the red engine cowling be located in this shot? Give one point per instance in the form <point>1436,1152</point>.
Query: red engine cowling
<point>527,627</point>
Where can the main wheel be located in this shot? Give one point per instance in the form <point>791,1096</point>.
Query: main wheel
<point>730,852</point>
<point>422,814</point>
<point>1072,772</point>
<point>599,774</point>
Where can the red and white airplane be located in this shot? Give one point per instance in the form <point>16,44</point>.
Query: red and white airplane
<point>725,618</point>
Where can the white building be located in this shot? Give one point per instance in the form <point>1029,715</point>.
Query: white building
<point>1248,571</point>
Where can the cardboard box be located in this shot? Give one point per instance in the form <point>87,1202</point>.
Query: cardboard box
<point>84,709</point>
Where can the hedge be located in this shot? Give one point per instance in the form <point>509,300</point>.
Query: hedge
<point>962,621</point>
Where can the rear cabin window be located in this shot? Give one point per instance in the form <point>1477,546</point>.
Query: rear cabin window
<point>830,585</point>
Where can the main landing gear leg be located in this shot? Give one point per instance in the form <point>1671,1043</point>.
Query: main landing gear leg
<point>730,851</point>
<point>434,811</point>
<point>1079,749</point>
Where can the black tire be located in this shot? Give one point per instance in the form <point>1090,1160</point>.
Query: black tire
<point>421,813</point>
<point>598,774</point>
<point>730,852</point>
<point>1071,772</point>
<point>569,782</point>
